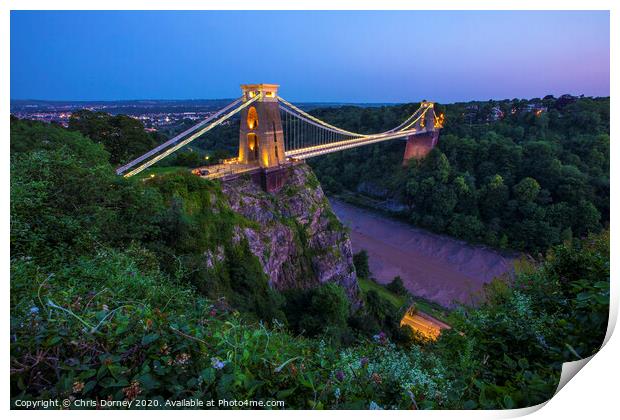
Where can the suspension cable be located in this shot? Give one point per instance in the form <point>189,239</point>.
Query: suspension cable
<point>416,120</point>
<point>298,113</point>
<point>312,151</point>
<point>316,120</point>
<point>350,137</point>
<point>193,136</point>
<point>176,138</point>
<point>404,123</point>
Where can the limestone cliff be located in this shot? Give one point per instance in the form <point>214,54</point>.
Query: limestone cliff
<point>298,240</point>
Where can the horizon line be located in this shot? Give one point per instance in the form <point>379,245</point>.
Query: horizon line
<point>306,101</point>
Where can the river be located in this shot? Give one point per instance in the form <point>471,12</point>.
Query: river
<point>436,267</point>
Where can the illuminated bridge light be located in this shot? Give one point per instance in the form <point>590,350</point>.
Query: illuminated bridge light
<point>297,134</point>
<point>423,323</point>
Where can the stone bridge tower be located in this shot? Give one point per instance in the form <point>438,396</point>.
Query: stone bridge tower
<point>261,138</point>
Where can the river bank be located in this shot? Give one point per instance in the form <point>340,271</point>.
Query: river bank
<point>436,267</point>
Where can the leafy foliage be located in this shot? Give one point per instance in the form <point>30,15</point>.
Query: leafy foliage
<point>527,180</point>
<point>396,286</point>
<point>511,348</point>
<point>360,260</point>
<point>122,136</point>
<point>112,298</point>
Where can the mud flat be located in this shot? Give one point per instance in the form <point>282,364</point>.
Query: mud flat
<point>438,268</point>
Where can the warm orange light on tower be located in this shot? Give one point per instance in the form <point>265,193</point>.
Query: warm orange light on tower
<point>439,121</point>
<point>265,157</point>
<point>252,120</point>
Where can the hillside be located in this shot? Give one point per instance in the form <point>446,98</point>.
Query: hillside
<point>179,290</point>
<point>513,174</point>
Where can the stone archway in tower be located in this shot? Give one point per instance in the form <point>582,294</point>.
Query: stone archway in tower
<point>252,119</point>
<point>252,123</point>
<point>253,146</point>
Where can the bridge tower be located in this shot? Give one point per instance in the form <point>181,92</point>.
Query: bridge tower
<point>261,138</point>
<point>420,145</point>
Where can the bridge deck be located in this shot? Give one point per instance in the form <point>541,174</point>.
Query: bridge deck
<point>231,170</point>
<point>324,149</point>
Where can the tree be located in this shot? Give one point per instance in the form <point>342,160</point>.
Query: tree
<point>586,218</point>
<point>573,185</point>
<point>189,158</point>
<point>315,311</point>
<point>466,227</point>
<point>547,163</point>
<point>64,193</point>
<point>436,165</point>
<point>526,190</point>
<point>122,136</point>
<point>493,197</point>
<point>360,260</point>
<point>396,286</point>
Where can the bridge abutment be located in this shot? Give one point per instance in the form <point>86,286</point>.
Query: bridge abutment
<point>420,145</point>
<point>272,180</point>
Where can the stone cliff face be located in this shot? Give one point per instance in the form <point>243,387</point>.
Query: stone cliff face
<point>298,240</point>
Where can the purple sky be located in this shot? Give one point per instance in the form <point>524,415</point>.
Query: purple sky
<point>314,56</point>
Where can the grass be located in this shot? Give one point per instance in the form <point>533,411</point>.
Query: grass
<point>367,285</point>
<point>161,170</point>
<point>433,309</point>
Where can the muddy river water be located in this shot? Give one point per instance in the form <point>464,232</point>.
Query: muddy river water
<point>436,267</point>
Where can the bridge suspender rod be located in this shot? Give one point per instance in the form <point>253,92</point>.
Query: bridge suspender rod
<point>354,141</point>
<point>404,123</point>
<point>310,117</point>
<point>303,118</point>
<point>308,152</point>
<point>191,138</point>
<point>176,138</point>
<point>295,111</point>
<point>416,120</point>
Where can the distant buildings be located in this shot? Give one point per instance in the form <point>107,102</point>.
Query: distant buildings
<point>536,108</point>
<point>153,120</point>
<point>496,114</point>
<point>494,111</point>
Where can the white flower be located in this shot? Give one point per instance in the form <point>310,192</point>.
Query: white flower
<point>217,363</point>
<point>374,406</point>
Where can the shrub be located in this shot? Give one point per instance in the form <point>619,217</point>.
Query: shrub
<point>396,286</point>
<point>360,260</point>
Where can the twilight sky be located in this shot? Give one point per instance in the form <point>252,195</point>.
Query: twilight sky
<point>315,56</point>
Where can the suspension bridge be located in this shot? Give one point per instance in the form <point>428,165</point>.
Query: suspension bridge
<point>275,134</point>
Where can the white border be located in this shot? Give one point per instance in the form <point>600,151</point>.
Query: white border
<point>591,395</point>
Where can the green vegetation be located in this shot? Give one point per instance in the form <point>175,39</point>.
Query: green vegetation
<point>122,136</point>
<point>161,170</point>
<point>396,300</point>
<point>316,311</point>
<point>132,289</point>
<point>514,344</point>
<point>402,299</point>
<point>360,260</point>
<point>397,287</point>
<point>514,174</point>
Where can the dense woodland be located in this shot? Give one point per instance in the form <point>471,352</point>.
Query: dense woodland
<point>512,174</point>
<point>109,299</point>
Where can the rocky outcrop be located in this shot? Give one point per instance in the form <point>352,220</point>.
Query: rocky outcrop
<point>297,238</point>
